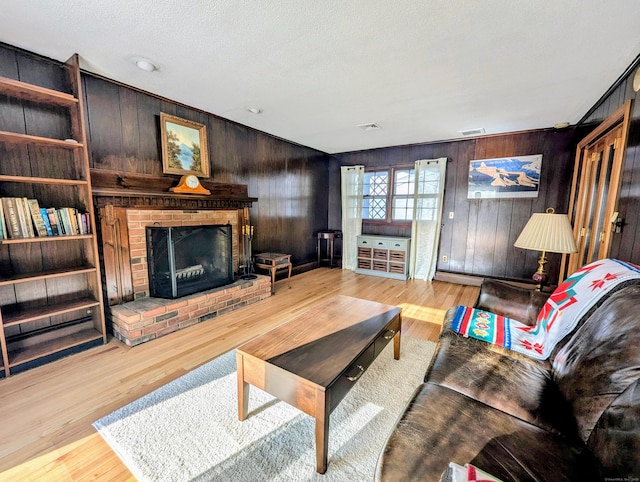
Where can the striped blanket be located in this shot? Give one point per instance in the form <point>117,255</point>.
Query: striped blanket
<point>558,317</point>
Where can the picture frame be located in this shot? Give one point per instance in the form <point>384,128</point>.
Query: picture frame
<point>184,146</point>
<point>505,177</point>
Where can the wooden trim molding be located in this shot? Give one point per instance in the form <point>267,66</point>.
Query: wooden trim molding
<point>117,189</point>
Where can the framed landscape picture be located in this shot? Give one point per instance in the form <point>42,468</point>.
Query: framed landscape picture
<point>184,146</point>
<point>504,177</point>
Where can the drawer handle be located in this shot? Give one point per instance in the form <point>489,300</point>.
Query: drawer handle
<point>380,244</point>
<point>364,242</point>
<point>389,334</point>
<point>397,244</point>
<point>355,377</point>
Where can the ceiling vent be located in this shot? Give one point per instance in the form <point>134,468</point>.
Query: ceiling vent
<point>473,132</point>
<point>372,126</point>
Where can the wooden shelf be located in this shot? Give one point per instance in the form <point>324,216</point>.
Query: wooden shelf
<point>46,239</point>
<point>44,180</point>
<point>49,330</point>
<point>35,93</point>
<point>51,346</point>
<point>41,275</point>
<point>32,314</point>
<point>15,138</point>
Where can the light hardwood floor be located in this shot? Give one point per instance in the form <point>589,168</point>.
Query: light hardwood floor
<point>47,412</point>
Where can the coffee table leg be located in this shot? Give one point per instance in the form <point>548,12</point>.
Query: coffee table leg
<point>243,389</point>
<point>396,339</point>
<point>322,432</point>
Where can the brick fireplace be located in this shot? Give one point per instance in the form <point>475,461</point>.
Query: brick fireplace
<point>125,210</point>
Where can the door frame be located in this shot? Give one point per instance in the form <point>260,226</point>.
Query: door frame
<point>619,118</point>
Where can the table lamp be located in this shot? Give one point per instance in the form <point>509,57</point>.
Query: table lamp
<point>546,232</point>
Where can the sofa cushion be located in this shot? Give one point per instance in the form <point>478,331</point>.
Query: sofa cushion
<point>522,304</point>
<point>601,359</point>
<point>441,425</point>
<point>616,438</point>
<point>510,382</point>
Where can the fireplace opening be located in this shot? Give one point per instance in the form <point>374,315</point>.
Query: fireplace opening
<point>183,260</point>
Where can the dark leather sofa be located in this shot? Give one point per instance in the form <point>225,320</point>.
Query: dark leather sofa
<point>572,417</point>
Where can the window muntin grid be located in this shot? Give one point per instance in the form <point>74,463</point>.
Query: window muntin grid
<point>385,201</point>
<point>374,199</point>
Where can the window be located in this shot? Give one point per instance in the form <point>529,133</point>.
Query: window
<point>388,195</point>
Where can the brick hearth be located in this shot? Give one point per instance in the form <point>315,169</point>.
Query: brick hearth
<point>147,318</point>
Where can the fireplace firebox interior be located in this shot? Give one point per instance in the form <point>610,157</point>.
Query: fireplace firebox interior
<point>183,260</point>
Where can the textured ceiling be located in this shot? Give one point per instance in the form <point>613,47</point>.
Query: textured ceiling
<point>422,70</point>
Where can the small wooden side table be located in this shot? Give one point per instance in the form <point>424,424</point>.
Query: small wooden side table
<point>274,262</point>
<point>329,236</point>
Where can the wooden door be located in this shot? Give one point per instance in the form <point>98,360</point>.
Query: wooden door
<point>594,192</point>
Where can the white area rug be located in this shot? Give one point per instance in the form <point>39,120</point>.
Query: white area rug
<point>189,428</point>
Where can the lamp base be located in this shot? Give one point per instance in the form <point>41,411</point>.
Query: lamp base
<point>540,276</point>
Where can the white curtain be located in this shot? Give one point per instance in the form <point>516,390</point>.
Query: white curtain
<point>352,179</point>
<point>427,217</point>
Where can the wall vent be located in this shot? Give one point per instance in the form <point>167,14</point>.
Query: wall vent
<point>371,126</point>
<point>473,132</point>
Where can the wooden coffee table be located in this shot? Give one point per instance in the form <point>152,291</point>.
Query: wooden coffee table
<point>312,361</point>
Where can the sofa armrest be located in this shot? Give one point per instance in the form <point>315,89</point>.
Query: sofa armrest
<point>522,304</point>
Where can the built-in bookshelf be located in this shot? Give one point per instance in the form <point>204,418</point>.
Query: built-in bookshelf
<point>50,284</point>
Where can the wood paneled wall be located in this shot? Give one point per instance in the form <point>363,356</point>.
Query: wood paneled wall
<point>479,239</point>
<point>289,180</point>
<point>124,135</point>
<point>626,245</point>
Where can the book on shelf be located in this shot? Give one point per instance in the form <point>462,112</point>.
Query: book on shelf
<point>53,221</point>
<point>46,222</point>
<point>3,226</point>
<point>38,222</point>
<point>86,223</point>
<point>83,222</point>
<point>27,214</point>
<point>73,220</point>
<point>63,222</point>
<point>12,219</point>
<point>22,217</point>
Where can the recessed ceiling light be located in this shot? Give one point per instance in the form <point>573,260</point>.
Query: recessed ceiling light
<point>255,110</point>
<point>146,65</point>
<point>371,126</point>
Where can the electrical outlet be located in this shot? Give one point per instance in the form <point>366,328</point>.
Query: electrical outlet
<point>445,258</point>
<point>450,214</point>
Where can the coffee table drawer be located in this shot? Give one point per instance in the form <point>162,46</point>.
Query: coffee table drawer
<point>385,337</point>
<point>345,383</point>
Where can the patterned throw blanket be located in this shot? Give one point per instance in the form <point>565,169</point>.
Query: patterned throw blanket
<point>558,317</point>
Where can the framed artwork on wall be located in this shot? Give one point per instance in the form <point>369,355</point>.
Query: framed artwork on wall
<point>504,177</point>
<point>184,146</point>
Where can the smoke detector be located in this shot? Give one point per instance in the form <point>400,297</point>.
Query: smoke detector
<point>371,126</point>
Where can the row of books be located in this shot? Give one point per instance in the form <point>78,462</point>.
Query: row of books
<point>24,218</point>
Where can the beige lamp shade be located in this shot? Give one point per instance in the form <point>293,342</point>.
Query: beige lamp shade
<point>547,232</point>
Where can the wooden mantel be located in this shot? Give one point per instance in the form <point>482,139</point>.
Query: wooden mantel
<point>118,189</point>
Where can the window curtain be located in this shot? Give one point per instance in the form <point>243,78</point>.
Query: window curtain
<point>427,217</point>
<point>352,180</point>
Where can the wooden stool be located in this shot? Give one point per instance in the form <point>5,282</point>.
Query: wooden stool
<point>274,262</point>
